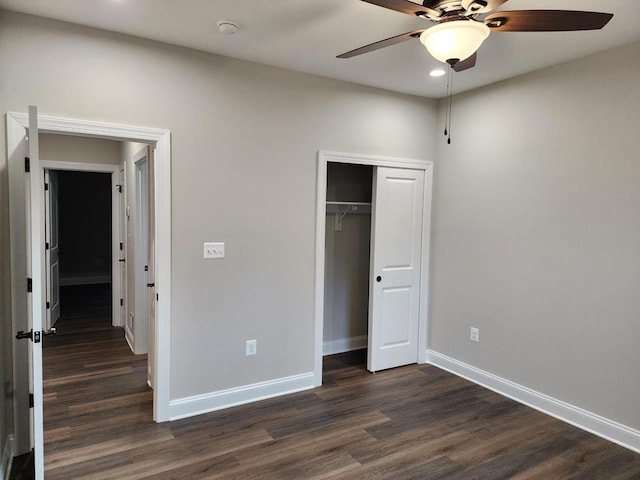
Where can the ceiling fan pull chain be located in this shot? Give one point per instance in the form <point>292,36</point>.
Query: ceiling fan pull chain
<point>450,111</point>
<point>446,116</point>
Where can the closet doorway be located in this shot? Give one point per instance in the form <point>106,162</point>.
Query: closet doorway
<point>372,259</point>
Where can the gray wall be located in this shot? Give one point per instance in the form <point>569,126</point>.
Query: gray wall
<point>244,143</point>
<point>6,329</point>
<point>536,233</point>
<point>67,148</point>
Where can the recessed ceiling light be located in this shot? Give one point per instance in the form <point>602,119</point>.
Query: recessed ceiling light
<point>438,72</point>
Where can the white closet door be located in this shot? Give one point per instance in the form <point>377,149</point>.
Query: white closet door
<point>396,253</point>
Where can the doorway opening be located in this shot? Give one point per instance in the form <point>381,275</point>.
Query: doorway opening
<point>79,250</point>
<point>376,276</point>
<point>347,263</point>
<point>27,258</point>
<point>90,361</point>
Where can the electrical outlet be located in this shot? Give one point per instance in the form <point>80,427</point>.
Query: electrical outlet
<point>214,250</point>
<point>475,334</point>
<point>251,348</point>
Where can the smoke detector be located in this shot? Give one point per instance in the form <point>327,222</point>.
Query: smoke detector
<point>228,27</point>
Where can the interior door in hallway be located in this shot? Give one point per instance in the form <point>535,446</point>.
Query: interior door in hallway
<point>35,270</point>
<point>396,256</point>
<point>122,261</point>
<point>52,248</point>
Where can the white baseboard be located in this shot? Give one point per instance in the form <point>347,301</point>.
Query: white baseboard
<point>344,345</point>
<point>84,280</point>
<point>210,402</point>
<point>7,458</point>
<point>603,427</point>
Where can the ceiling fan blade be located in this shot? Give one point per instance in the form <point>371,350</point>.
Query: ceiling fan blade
<point>382,43</point>
<point>481,6</point>
<point>466,64</point>
<point>404,6</point>
<point>546,21</point>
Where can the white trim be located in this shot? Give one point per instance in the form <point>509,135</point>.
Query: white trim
<point>210,402</point>
<point>162,140</point>
<point>591,422</point>
<point>7,458</point>
<point>373,160</point>
<point>321,195</point>
<point>114,170</point>
<point>342,345</point>
<point>92,128</point>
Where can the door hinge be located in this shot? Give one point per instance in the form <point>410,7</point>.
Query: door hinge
<point>48,305</point>
<point>46,246</point>
<point>121,245</point>
<point>27,164</point>
<point>157,297</point>
<point>121,302</point>
<point>29,285</point>
<point>46,187</point>
<point>119,188</point>
<point>31,400</point>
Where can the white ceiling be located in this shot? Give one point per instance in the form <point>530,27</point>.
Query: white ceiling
<point>306,35</point>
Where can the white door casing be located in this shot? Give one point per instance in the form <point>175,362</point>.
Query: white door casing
<point>52,249</point>
<point>112,170</point>
<point>396,258</point>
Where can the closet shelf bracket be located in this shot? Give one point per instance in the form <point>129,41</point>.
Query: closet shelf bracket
<point>342,209</point>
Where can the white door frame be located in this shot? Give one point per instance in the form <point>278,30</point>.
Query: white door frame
<point>321,198</point>
<point>114,170</point>
<point>17,125</point>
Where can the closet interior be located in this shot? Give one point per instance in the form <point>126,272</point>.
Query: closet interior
<point>347,257</point>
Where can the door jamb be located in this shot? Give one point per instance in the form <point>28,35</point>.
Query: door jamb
<point>321,197</point>
<point>161,139</point>
<point>114,170</point>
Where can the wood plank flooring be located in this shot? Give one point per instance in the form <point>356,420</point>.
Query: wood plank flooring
<point>415,422</point>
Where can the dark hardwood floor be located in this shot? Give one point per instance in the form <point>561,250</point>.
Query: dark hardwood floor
<point>415,422</point>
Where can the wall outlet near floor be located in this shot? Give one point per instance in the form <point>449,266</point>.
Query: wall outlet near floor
<point>251,348</point>
<point>475,334</point>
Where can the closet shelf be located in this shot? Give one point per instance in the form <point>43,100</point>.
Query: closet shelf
<point>341,209</point>
<point>349,203</point>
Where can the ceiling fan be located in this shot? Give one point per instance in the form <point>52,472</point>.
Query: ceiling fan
<point>462,25</point>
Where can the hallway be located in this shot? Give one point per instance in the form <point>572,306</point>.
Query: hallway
<point>95,389</point>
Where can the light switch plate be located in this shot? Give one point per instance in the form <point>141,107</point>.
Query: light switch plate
<point>214,250</point>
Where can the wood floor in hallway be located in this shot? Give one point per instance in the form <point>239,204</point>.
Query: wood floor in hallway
<point>416,422</point>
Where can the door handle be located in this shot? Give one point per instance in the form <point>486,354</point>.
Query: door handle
<point>21,335</point>
<point>378,279</point>
<point>51,331</point>
<point>122,260</point>
<point>151,285</point>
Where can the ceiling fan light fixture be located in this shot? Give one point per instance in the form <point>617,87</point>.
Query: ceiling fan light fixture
<point>454,41</point>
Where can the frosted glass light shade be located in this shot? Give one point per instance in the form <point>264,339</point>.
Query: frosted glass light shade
<point>458,39</point>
